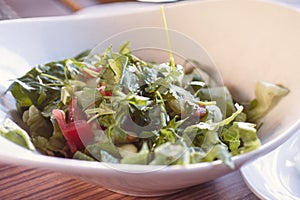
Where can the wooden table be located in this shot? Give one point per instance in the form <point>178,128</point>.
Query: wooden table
<point>27,183</point>
<point>17,182</point>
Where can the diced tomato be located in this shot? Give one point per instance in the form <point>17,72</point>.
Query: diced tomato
<point>98,69</point>
<point>103,91</point>
<point>108,93</point>
<point>200,111</point>
<point>77,133</point>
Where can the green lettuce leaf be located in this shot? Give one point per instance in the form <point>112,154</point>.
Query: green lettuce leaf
<point>11,131</point>
<point>53,145</point>
<point>219,152</point>
<point>81,156</point>
<point>241,137</point>
<point>41,85</point>
<point>267,95</point>
<point>222,97</point>
<point>171,154</point>
<point>38,125</point>
<point>140,157</point>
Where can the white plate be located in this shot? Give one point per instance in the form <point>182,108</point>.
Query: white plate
<point>248,41</point>
<point>274,176</point>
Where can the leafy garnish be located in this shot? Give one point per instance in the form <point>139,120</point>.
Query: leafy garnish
<point>16,134</point>
<point>267,95</point>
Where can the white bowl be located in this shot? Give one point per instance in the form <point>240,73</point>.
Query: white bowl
<point>248,40</point>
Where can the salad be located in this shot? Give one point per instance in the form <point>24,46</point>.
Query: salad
<point>115,107</point>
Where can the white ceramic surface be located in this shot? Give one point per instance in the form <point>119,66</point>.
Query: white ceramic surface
<point>274,176</point>
<point>248,41</point>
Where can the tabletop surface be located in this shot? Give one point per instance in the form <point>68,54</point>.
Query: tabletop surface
<point>17,182</point>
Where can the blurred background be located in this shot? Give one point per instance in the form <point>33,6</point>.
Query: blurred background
<point>11,9</point>
<point>34,8</point>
